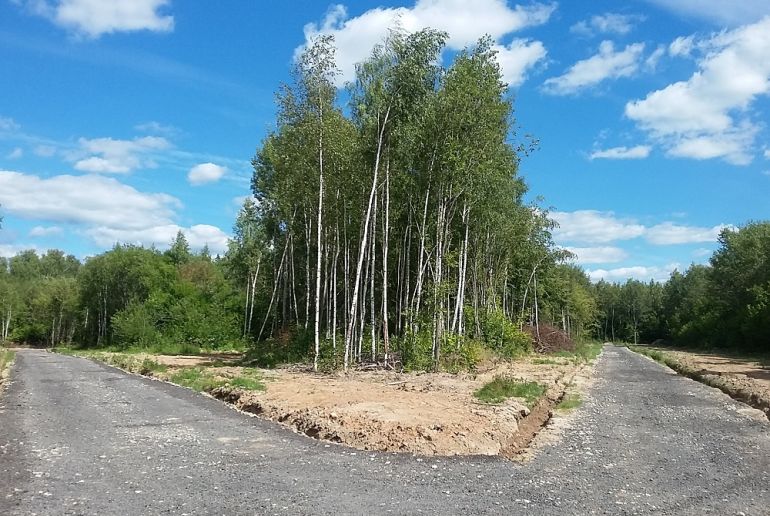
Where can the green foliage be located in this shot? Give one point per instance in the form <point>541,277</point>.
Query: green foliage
<point>417,350</point>
<point>502,388</point>
<point>6,358</point>
<point>203,380</point>
<point>197,379</point>
<point>504,336</point>
<point>136,326</point>
<point>462,354</point>
<point>292,346</point>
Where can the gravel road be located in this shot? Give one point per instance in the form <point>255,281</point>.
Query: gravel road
<point>77,437</point>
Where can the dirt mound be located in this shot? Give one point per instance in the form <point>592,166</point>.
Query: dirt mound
<point>550,339</point>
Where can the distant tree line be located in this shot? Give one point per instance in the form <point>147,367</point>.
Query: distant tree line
<point>723,304</point>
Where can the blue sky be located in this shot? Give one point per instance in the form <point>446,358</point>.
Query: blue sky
<point>131,119</point>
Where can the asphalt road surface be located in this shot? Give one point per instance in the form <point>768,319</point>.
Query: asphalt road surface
<point>77,437</point>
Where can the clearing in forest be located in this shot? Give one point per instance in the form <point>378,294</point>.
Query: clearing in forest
<point>423,413</point>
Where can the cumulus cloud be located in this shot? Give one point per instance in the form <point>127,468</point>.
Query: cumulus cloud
<point>718,11</point>
<point>637,272</point>
<point>638,152</point>
<point>517,58</point>
<point>110,156</point>
<point>11,250</point>
<point>205,173</point>
<point>464,21</point>
<point>161,236</point>
<point>83,200</point>
<point>607,64</point>
<point>669,233</point>
<point>767,154</point>
<point>597,227</point>
<point>593,227</point>
<point>92,18</point>
<point>102,208</point>
<point>708,115</point>
<point>42,231</point>
<point>608,23</point>
<point>592,255</point>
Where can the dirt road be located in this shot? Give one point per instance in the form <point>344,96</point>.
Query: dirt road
<point>77,437</point>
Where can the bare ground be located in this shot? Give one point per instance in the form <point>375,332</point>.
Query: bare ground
<point>426,414</point>
<point>744,379</point>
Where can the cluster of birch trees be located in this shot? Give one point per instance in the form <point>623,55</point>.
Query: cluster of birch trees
<point>394,221</point>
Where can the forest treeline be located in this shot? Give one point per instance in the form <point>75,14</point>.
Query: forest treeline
<point>386,223</point>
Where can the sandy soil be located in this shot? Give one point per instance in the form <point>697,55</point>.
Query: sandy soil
<point>429,413</point>
<point>744,379</point>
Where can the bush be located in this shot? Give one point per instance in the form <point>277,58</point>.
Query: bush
<point>461,353</point>
<point>504,336</point>
<point>135,326</point>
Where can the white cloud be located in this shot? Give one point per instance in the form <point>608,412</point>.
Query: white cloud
<point>16,153</point>
<point>701,252</point>
<point>607,64</point>
<point>517,58</point>
<point>593,227</point>
<point>107,155</point>
<point>105,210</point>
<point>708,115</point>
<point>464,21</point>
<point>11,250</point>
<point>767,154</point>
<point>92,18</point>
<point>669,233</point>
<point>608,23</point>
<point>45,151</point>
<point>42,231</point>
<point>637,272</point>
<point>205,173</point>
<point>83,200</point>
<point>161,236</point>
<point>651,63</point>
<point>8,125</point>
<point>638,152</point>
<point>681,46</point>
<point>588,255</point>
<point>153,127</point>
<point>597,227</point>
<point>720,12</point>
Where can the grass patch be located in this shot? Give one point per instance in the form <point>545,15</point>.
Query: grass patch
<point>545,361</point>
<point>196,379</point>
<point>585,352</point>
<point>201,380</point>
<point>656,355</point>
<point>6,358</point>
<point>247,383</point>
<point>502,388</point>
<point>570,401</point>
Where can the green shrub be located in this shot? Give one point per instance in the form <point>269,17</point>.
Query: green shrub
<point>504,336</point>
<point>461,353</point>
<point>135,326</point>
